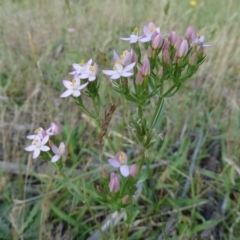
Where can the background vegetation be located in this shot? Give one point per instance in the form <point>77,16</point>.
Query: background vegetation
<point>200,125</point>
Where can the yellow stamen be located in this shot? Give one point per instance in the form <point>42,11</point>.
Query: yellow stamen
<point>198,35</point>
<point>193,3</point>
<point>37,130</point>
<point>124,54</point>
<point>82,62</point>
<point>91,68</point>
<point>122,158</point>
<point>135,31</point>
<point>152,29</point>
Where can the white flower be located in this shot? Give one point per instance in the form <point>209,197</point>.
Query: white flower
<point>73,88</point>
<point>58,152</point>
<point>133,37</point>
<point>38,145</point>
<point>119,71</point>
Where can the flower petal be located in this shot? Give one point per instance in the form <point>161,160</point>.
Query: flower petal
<point>129,67</point>
<point>115,76</point>
<point>127,74</point>
<point>55,158</point>
<point>76,93</point>
<point>67,84</point>
<point>82,86</point>
<point>124,169</point>
<point>66,93</point>
<point>109,72</point>
<point>36,153</point>
<point>114,163</point>
<point>30,148</point>
<point>55,149</point>
<point>45,148</point>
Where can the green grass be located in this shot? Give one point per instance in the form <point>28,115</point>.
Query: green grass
<point>36,54</point>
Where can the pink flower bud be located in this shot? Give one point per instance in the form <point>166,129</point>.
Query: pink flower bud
<point>165,46</point>
<point>172,37</point>
<point>193,59</point>
<point>125,199</point>
<point>200,51</point>
<point>149,52</point>
<point>166,57</point>
<point>139,77</point>
<point>104,173</point>
<point>190,34</point>
<point>114,184</point>
<point>157,41</point>
<point>54,129</point>
<point>133,170</point>
<point>178,43</point>
<point>160,72</point>
<point>134,56</point>
<point>182,49</point>
<point>146,67</point>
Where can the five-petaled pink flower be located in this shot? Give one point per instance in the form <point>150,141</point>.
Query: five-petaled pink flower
<point>39,132</point>
<point>38,145</point>
<point>133,37</point>
<point>199,40</point>
<point>73,87</point>
<point>90,72</point>
<point>80,68</point>
<point>59,151</point>
<point>120,161</point>
<point>119,70</point>
<point>148,30</point>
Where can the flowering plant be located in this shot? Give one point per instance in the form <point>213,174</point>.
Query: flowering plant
<point>169,61</point>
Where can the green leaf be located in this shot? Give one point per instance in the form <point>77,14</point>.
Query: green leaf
<point>131,219</point>
<point>64,216</point>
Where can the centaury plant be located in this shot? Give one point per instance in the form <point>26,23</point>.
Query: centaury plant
<point>156,66</point>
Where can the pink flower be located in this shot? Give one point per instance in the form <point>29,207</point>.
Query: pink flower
<point>119,71</point>
<point>120,161</point>
<point>90,72</point>
<point>133,37</point>
<point>40,132</point>
<point>199,40</point>
<point>148,30</point>
<point>38,145</point>
<point>58,152</point>
<point>114,184</point>
<point>157,40</point>
<point>73,88</point>
<point>54,129</point>
<point>79,68</point>
<point>126,57</point>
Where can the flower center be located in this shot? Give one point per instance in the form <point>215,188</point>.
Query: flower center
<point>91,68</point>
<point>37,130</point>
<point>152,29</point>
<point>122,159</point>
<point>124,54</point>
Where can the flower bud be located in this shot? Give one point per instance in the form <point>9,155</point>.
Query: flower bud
<point>193,59</point>
<point>182,49</point>
<point>190,34</point>
<point>157,41</point>
<point>200,51</point>
<point>114,184</point>
<point>146,67</point>
<point>149,52</point>
<point>133,170</point>
<point>172,37</point>
<point>104,173</point>
<point>139,77</point>
<point>134,56</point>
<point>166,56</point>
<point>125,199</point>
<point>55,129</point>
<point>178,43</point>
<point>165,46</point>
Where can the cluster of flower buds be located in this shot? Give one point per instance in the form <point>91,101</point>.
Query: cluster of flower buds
<point>118,190</point>
<point>41,143</point>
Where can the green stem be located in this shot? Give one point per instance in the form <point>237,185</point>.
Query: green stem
<point>142,160</point>
<point>125,235</point>
<point>157,112</point>
<point>140,112</point>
